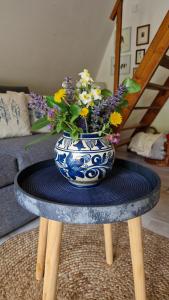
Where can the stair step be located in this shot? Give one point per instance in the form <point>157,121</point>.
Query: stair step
<point>165,62</point>
<point>158,87</point>
<point>135,126</point>
<point>123,142</point>
<point>147,107</point>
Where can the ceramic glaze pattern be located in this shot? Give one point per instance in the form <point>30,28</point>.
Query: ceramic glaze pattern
<point>86,161</point>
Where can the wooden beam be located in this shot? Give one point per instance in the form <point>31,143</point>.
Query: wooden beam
<point>157,87</point>
<point>123,142</point>
<point>118,45</point>
<point>146,107</point>
<point>165,62</point>
<point>159,100</point>
<point>134,127</point>
<point>148,65</point>
<point>114,11</point>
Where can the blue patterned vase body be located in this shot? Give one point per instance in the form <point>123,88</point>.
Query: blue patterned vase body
<point>86,161</point>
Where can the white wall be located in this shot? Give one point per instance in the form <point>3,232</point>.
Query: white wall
<point>137,13</point>
<point>42,41</point>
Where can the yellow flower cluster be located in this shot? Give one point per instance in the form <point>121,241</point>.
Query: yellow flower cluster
<point>115,118</point>
<point>59,95</point>
<point>84,112</point>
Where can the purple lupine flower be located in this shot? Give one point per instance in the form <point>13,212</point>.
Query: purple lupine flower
<point>50,127</point>
<point>38,103</point>
<point>69,87</point>
<point>105,107</point>
<point>51,114</point>
<point>121,91</point>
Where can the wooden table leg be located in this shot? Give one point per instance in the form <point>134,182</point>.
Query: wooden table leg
<point>108,243</point>
<point>136,247</point>
<point>52,259</point>
<point>40,265</point>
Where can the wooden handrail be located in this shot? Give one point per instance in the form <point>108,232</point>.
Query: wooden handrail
<point>117,13</point>
<point>114,11</point>
<point>149,64</point>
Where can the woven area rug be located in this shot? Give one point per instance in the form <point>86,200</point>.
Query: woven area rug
<point>83,273</point>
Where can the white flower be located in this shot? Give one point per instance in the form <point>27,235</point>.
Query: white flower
<point>96,93</point>
<point>85,76</point>
<point>85,97</point>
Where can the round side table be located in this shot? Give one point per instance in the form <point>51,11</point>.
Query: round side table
<point>129,192</point>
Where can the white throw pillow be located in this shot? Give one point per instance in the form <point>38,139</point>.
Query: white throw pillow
<point>33,115</point>
<point>14,116</point>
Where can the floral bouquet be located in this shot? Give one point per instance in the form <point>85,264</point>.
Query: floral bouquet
<point>83,107</point>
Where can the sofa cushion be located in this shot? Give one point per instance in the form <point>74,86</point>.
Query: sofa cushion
<point>16,147</point>
<point>14,115</point>
<point>8,169</point>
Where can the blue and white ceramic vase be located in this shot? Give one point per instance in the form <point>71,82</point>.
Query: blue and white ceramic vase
<point>84,162</point>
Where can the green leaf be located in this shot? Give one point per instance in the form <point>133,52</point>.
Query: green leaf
<point>75,111</point>
<point>123,103</point>
<point>132,86</point>
<point>62,106</point>
<point>38,140</point>
<point>59,127</point>
<point>50,101</point>
<point>40,123</point>
<point>106,93</point>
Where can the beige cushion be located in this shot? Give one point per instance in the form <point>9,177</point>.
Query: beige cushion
<point>14,116</point>
<point>33,115</point>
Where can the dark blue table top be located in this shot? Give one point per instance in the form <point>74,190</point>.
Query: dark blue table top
<point>130,191</point>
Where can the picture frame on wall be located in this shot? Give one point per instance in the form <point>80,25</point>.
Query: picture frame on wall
<point>143,35</point>
<point>126,40</point>
<point>125,64</point>
<point>139,56</point>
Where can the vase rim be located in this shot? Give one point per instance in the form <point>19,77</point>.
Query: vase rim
<point>84,135</point>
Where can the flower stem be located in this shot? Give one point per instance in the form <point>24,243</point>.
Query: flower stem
<point>86,125</point>
<point>68,125</point>
<point>66,102</point>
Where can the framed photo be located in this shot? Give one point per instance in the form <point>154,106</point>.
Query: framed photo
<point>125,64</point>
<point>126,39</point>
<point>139,56</point>
<point>143,35</point>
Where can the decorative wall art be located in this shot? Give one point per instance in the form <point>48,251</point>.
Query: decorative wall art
<point>126,40</point>
<point>143,35</point>
<point>139,56</point>
<point>125,64</point>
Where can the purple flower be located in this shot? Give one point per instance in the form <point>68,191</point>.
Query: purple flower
<point>50,127</point>
<point>69,87</point>
<point>113,138</point>
<point>102,109</point>
<point>38,103</point>
<point>51,114</point>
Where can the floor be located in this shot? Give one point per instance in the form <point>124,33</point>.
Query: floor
<point>157,220</point>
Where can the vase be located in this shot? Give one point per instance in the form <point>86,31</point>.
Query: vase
<point>86,161</point>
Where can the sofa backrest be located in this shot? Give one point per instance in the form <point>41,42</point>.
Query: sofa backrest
<point>4,89</point>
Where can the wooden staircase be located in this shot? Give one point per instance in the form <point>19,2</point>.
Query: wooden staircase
<point>155,56</point>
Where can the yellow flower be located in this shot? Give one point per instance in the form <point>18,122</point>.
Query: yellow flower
<point>84,112</point>
<point>115,118</point>
<point>59,95</point>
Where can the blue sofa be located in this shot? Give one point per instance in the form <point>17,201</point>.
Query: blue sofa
<point>13,158</point>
